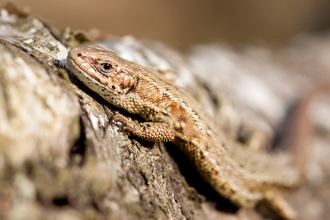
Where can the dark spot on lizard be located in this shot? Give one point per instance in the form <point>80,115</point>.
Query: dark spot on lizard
<point>182,118</point>
<point>133,88</point>
<point>129,90</point>
<point>148,125</point>
<point>194,113</point>
<point>170,84</point>
<point>232,191</point>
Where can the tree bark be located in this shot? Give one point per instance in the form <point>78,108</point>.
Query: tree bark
<point>61,158</point>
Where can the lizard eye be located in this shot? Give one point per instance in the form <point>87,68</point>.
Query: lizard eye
<point>106,67</point>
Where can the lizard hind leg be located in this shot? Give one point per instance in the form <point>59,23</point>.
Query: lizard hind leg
<point>279,205</point>
<point>150,131</point>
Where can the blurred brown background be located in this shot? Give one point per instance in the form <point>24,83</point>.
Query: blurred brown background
<point>183,23</point>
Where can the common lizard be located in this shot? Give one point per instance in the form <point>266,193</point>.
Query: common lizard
<point>243,176</point>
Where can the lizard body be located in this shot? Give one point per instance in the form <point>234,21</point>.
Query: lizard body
<point>244,177</point>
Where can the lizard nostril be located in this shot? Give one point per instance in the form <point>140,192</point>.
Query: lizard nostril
<point>79,54</point>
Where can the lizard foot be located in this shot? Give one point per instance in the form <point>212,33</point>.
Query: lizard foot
<point>150,131</point>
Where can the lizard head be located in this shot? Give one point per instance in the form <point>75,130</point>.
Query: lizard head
<point>102,71</point>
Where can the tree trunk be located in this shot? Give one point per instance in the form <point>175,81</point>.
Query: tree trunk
<point>61,158</point>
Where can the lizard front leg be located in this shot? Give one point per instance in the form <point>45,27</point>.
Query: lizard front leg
<point>150,131</point>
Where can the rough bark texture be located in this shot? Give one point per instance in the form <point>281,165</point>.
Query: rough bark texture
<point>60,158</point>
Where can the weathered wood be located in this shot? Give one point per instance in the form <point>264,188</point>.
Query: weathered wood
<point>61,158</point>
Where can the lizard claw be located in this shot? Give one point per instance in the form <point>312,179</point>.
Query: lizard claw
<point>121,121</point>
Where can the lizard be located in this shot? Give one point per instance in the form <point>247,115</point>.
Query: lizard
<point>171,114</point>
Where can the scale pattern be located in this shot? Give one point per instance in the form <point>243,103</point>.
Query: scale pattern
<point>244,177</point>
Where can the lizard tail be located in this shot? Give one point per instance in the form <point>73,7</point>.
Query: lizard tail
<point>299,130</point>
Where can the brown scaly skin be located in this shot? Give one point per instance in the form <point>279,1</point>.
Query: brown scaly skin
<point>242,176</point>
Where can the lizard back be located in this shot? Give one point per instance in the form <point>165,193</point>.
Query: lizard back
<point>241,175</point>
